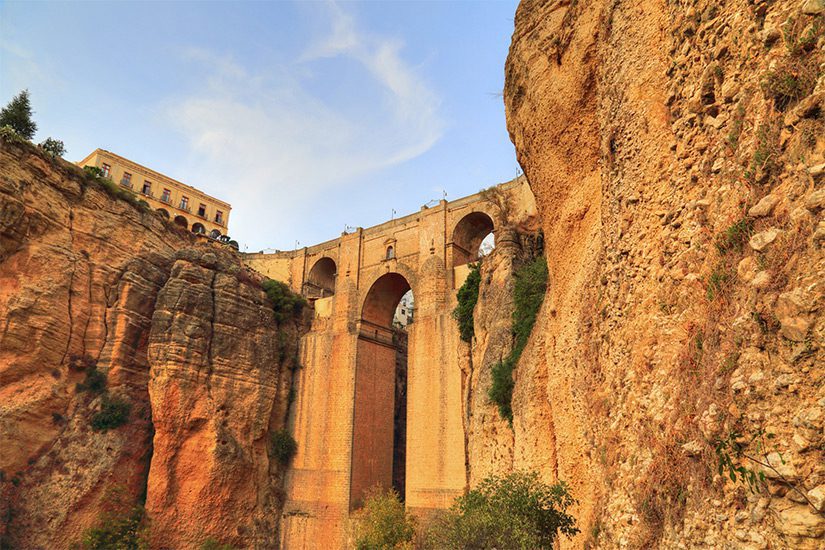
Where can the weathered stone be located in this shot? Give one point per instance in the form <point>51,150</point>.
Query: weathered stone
<point>817,497</point>
<point>779,467</point>
<point>761,240</point>
<point>813,7</point>
<point>764,207</point>
<point>799,520</point>
<point>816,200</point>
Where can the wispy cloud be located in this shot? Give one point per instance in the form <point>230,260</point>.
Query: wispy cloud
<point>266,136</point>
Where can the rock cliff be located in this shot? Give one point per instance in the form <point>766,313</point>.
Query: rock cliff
<point>184,336</point>
<point>675,150</point>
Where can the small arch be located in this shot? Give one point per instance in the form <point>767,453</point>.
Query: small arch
<point>181,221</point>
<point>321,279</point>
<point>469,234</point>
<point>163,212</point>
<point>390,253</point>
<point>198,228</point>
<point>215,234</point>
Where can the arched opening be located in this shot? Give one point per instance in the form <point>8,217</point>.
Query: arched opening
<point>198,228</point>
<point>215,234</point>
<point>379,443</point>
<point>472,238</point>
<point>390,252</point>
<point>163,212</point>
<point>320,282</point>
<point>181,221</point>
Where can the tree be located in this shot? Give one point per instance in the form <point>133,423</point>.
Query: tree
<point>517,511</point>
<point>18,115</point>
<point>54,147</point>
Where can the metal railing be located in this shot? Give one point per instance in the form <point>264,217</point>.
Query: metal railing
<point>167,200</point>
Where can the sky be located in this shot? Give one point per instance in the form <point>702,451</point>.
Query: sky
<point>307,117</point>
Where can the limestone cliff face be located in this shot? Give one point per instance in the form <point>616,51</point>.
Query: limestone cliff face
<point>182,332</point>
<point>675,151</point>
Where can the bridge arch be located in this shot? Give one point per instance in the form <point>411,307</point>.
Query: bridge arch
<point>468,234</point>
<point>380,408</point>
<point>163,212</point>
<point>198,228</point>
<point>181,221</point>
<point>320,282</point>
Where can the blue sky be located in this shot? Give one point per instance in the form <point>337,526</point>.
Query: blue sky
<point>306,117</point>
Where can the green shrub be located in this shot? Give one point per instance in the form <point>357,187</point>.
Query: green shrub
<point>114,413</point>
<point>122,525</point>
<point>789,82</point>
<point>95,381</point>
<point>467,298</point>
<point>383,523</point>
<point>528,295</point>
<point>718,283</point>
<point>513,511</point>
<point>734,237</point>
<point>212,544</point>
<point>282,446</point>
<point>285,303</point>
<point>54,147</point>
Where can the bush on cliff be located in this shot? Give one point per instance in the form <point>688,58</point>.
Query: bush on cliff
<point>114,413</point>
<point>467,298</point>
<point>383,523</point>
<point>286,304</point>
<point>122,525</point>
<point>528,295</point>
<point>95,381</point>
<point>212,544</point>
<point>513,511</point>
<point>282,446</point>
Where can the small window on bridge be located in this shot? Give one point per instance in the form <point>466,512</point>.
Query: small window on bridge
<point>390,253</point>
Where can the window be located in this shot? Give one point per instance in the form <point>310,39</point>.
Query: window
<point>166,196</point>
<point>184,203</point>
<point>126,180</point>
<point>202,210</point>
<point>218,217</point>
<point>147,188</point>
<point>390,253</point>
<point>106,170</point>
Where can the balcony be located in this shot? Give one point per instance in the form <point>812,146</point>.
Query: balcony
<point>185,208</point>
<point>126,183</point>
<point>148,193</point>
<point>166,199</point>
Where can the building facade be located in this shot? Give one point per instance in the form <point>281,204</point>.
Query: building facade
<point>185,205</point>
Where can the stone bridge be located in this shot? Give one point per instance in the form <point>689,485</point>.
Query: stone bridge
<point>349,419</point>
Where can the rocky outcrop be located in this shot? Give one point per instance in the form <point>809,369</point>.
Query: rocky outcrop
<point>183,333</point>
<point>684,310</point>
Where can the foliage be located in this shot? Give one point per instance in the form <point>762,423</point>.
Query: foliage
<point>718,283</point>
<point>514,511</point>
<point>383,523</point>
<point>789,82</point>
<point>767,151</point>
<point>93,171</point>
<point>467,298</point>
<point>123,525</point>
<point>286,304</point>
<point>113,413</point>
<point>734,237</point>
<point>528,295</point>
<point>18,115</point>
<point>212,544</point>
<point>54,147</point>
<point>737,124</point>
<point>282,446</point>
<point>729,453</point>
<point>95,381</point>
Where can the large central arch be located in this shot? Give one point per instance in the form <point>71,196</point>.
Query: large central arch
<point>379,434</point>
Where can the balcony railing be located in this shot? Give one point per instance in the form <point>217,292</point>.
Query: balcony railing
<point>167,200</point>
<point>203,215</point>
<point>184,208</point>
<point>126,183</point>
<point>148,193</point>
